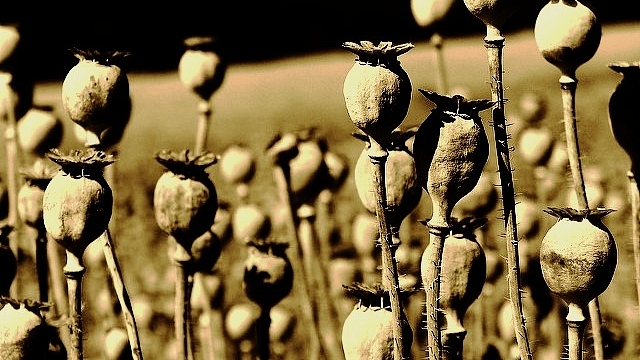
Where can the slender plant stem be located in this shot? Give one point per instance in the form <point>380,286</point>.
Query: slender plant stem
<point>204,120</point>
<point>182,260</point>
<point>378,157</point>
<point>74,271</point>
<point>301,286</point>
<point>212,326</point>
<point>12,154</point>
<point>123,296</point>
<point>634,194</point>
<point>431,283</point>
<point>317,271</point>
<point>262,333</point>
<point>494,42</point>
<point>568,84</point>
<point>42,265</point>
<point>442,79</point>
<point>576,324</point>
<point>56,274</point>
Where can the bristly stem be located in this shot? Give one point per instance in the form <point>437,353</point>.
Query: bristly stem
<point>123,296</point>
<point>378,157</point>
<point>494,42</point>
<point>432,292</point>
<point>568,84</point>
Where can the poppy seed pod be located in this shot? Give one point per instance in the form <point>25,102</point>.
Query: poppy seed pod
<point>578,255</point>
<point>237,164</point>
<point>24,333</point>
<point>78,203</point>
<point>429,12</point>
<point>185,200</point>
<point>567,34</point>
<point>377,90</point>
<point>450,150</point>
<point>31,193</point>
<point>39,130</point>
<point>95,93</point>
<point>623,110</point>
<point>16,95</point>
<point>268,274</point>
<point>201,69</point>
<point>493,13</point>
<point>367,329</point>
<point>10,41</point>
<point>463,271</point>
<point>403,189</point>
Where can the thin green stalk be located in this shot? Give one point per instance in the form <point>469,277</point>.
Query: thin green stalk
<point>494,42</point>
<point>378,157</point>
<point>568,84</point>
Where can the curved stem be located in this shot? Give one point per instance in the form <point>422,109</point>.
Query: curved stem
<point>634,194</point>
<point>202,132</point>
<point>378,157</point>
<point>301,286</point>
<point>74,271</point>
<point>181,260</point>
<point>262,333</point>
<point>494,42</point>
<point>568,84</point>
<point>123,296</point>
<point>431,283</point>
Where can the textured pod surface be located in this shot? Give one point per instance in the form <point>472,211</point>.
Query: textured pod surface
<point>450,149</point>
<point>367,330</point>
<point>578,256</point>
<point>268,275</point>
<point>567,34</point>
<point>463,272</point>
<point>184,207</point>
<point>95,92</point>
<point>201,72</point>
<point>24,334</point>
<point>623,109</point>
<point>493,13</point>
<point>377,90</point>
<point>402,187</point>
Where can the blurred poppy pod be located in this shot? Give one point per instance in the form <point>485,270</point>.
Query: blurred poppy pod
<point>430,12</point>
<point>623,110</point>
<point>10,41</point>
<point>39,130</point>
<point>493,13</point>
<point>450,151</point>
<point>24,333</point>
<point>403,189</point>
<point>16,95</point>
<point>95,93</point>
<point>78,203</point>
<point>185,200</point>
<point>268,274</point>
<point>237,164</point>
<point>377,90</point>
<point>31,193</point>
<point>201,68</point>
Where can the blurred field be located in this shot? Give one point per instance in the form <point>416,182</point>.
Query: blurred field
<point>259,100</point>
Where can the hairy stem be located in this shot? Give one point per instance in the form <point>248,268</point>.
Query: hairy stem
<point>494,42</point>
<point>431,283</point>
<point>378,157</point>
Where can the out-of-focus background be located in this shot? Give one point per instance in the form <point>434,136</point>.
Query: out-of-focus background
<point>248,30</point>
